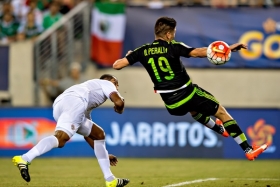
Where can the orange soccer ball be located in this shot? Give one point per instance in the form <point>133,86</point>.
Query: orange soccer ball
<point>218,52</point>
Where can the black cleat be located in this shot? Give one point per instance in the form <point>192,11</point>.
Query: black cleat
<point>122,182</point>
<point>117,183</point>
<point>23,167</point>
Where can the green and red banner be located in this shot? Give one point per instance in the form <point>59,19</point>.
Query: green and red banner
<point>107,32</point>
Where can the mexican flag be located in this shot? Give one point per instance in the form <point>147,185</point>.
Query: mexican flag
<point>107,32</point>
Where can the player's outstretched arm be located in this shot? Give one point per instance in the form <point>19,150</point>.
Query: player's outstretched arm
<point>199,52</point>
<point>202,52</point>
<point>237,47</point>
<point>121,63</point>
<point>118,101</point>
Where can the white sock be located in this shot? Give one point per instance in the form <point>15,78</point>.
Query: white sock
<point>210,123</point>
<point>43,146</point>
<point>103,159</point>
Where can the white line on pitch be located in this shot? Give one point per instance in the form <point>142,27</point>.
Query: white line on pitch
<point>191,182</point>
<point>251,179</point>
<point>213,179</point>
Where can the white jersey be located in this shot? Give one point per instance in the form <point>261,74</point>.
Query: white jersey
<point>94,92</point>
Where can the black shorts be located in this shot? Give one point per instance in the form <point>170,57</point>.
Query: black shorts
<point>201,101</point>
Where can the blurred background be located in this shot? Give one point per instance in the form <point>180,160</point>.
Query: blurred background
<point>49,45</point>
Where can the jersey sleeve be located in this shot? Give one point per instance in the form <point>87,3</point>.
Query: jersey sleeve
<point>134,57</point>
<point>108,88</point>
<point>182,49</point>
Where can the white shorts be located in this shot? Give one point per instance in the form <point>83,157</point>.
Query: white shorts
<point>69,113</point>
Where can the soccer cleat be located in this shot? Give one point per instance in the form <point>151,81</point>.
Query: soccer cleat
<point>22,166</point>
<point>255,152</point>
<point>224,132</point>
<point>117,182</point>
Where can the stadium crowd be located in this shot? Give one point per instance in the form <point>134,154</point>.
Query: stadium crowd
<point>156,4</point>
<point>26,19</point>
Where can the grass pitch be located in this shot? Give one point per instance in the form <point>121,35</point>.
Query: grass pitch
<point>85,172</point>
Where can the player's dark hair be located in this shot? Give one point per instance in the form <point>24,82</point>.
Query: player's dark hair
<point>107,77</point>
<point>164,25</point>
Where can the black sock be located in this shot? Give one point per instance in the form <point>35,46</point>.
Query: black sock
<point>204,119</point>
<point>235,132</point>
<point>218,128</point>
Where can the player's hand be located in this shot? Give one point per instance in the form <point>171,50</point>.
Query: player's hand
<point>117,110</point>
<point>237,47</point>
<point>128,52</point>
<point>113,160</point>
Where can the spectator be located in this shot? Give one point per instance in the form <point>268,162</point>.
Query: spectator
<point>243,3</point>
<point>43,5</point>
<point>9,27</point>
<point>155,4</point>
<point>19,9</point>
<point>197,3</point>
<point>232,3</point>
<point>7,8</point>
<point>22,9</point>
<point>53,88</point>
<point>32,7</point>
<point>255,3</point>
<point>180,3</point>
<point>29,29</point>
<point>218,3</point>
<point>52,16</point>
<point>65,5</point>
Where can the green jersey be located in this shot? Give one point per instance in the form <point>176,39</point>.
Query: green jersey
<point>9,29</point>
<point>41,5</point>
<point>162,61</point>
<point>49,20</point>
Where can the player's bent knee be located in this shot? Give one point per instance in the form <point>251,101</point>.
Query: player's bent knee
<point>222,114</point>
<point>62,138</point>
<point>97,135</point>
<point>62,142</point>
<point>221,110</point>
<point>100,135</point>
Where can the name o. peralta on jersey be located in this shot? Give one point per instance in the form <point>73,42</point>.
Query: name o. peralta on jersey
<point>162,61</point>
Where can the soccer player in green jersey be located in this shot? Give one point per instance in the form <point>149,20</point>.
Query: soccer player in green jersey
<point>162,61</point>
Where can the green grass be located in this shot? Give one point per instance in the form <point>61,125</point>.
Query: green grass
<point>85,172</point>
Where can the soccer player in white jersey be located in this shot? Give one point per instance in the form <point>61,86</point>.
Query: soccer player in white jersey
<point>71,110</point>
